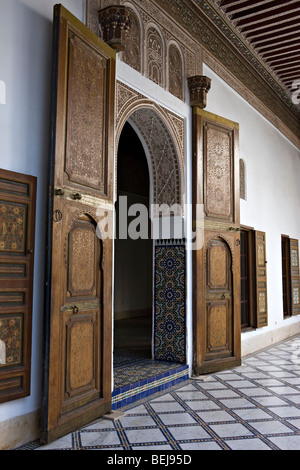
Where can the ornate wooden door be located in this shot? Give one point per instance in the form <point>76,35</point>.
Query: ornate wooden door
<point>77,384</point>
<point>216,265</point>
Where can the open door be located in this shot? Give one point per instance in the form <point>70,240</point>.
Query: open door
<point>78,324</point>
<point>216,264</point>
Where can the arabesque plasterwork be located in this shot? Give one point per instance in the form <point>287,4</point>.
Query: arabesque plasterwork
<point>202,36</point>
<point>162,132</point>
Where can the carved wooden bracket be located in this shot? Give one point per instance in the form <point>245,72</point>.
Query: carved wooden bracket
<point>114,24</point>
<point>199,86</point>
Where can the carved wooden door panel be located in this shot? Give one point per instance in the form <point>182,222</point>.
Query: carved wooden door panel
<point>216,265</point>
<point>218,298</point>
<point>17,235</point>
<point>77,383</point>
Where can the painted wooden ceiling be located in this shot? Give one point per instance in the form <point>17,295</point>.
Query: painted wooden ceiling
<point>272,30</point>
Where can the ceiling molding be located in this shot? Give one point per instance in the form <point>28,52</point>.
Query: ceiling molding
<point>216,33</point>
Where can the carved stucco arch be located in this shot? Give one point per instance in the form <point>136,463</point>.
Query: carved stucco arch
<point>162,136</point>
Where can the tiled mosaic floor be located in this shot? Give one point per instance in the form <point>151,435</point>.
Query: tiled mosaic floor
<point>253,407</point>
<point>136,376</point>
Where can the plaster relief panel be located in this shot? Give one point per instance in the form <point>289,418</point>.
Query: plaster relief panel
<point>176,72</point>
<point>162,134</point>
<point>155,56</point>
<point>145,44</point>
<point>132,55</point>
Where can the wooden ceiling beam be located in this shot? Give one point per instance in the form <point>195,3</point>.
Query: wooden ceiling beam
<point>258,13</point>
<point>258,25</point>
<point>281,51</point>
<point>243,6</point>
<point>279,33</point>
<point>273,29</point>
<point>290,73</point>
<point>277,40</point>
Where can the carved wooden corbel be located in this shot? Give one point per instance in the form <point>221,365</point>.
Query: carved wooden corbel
<point>199,86</point>
<point>114,24</point>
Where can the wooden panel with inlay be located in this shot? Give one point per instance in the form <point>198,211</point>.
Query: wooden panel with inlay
<point>17,227</point>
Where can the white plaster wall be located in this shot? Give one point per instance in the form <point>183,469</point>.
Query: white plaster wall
<point>25,71</point>
<point>273,198</point>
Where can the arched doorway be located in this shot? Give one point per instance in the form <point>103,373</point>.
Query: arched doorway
<point>133,257</point>
<point>149,333</point>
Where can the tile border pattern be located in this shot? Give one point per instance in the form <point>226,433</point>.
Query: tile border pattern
<point>128,394</point>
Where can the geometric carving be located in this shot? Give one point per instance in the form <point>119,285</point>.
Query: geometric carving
<point>218,172</point>
<point>11,335</point>
<point>217,326</point>
<point>80,366</point>
<point>13,221</point>
<point>217,265</point>
<point>81,259</point>
<point>218,296</point>
<point>85,135</point>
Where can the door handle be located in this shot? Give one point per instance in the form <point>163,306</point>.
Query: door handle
<point>223,296</point>
<point>75,309</point>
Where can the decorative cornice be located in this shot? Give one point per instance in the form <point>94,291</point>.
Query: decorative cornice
<point>215,36</point>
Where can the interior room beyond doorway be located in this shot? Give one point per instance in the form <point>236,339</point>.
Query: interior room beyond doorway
<point>133,261</point>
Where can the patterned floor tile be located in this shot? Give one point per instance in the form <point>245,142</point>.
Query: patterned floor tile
<point>176,418</point>
<point>248,444</point>
<point>215,416</point>
<point>270,427</point>
<point>255,406</point>
<point>145,436</point>
<point>231,429</point>
<point>286,442</point>
<point>99,438</point>
<point>182,433</point>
